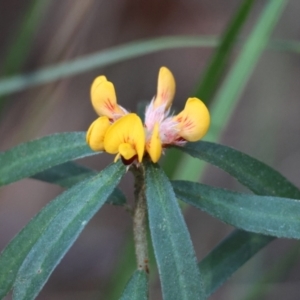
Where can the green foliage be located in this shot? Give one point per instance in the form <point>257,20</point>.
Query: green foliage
<point>68,174</point>
<point>278,217</point>
<point>237,209</point>
<point>30,258</point>
<point>136,289</point>
<point>65,175</point>
<point>236,249</point>
<point>28,262</point>
<point>255,175</point>
<point>179,275</point>
<point>30,158</point>
<point>229,256</point>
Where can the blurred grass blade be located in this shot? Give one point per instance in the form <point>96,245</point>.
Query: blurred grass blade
<point>284,46</point>
<point>179,275</point>
<point>229,93</point>
<point>28,262</point>
<point>250,172</point>
<point>278,272</point>
<point>237,79</point>
<point>101,59</point>
<point>20,48</point>
<point>219,60</point>
<point>213,73</point>
<point>117,54</point>
<point>35,156</point>
<point>125,266</point>
<point>228,257</point>
<point>137,287</point>
<point>274,216</point>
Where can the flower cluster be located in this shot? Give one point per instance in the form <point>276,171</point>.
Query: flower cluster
<point>119,132</point>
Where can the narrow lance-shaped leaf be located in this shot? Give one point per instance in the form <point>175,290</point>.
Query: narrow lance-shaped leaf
<point>258,177</point>
<point>137,287</point>
<point>229,256</point>
<point>82,202</point>
<point>52,232</point>
<point>179,274</point>
<point>252,173</point>
<point>70,173</point>
<point>35,156</point>
<point>66,174</point>
<point>274,216</point>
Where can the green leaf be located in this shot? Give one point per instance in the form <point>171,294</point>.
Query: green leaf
<point>137,287</point>
<point>117,197</point>
<point>258,177</point>
<point>229,256</point>
<point>255,175</point>
<point>65,175</point>
<point>31,256</point>
<point>180,277</point>
<point>35,156</point>
<point>70,173</point>
<point>274,216</point>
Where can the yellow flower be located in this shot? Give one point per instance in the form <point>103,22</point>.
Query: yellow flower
<point>104,99</point>
<point>165,88</point>
<point>126,138</point>
<point>96,132</point>
<point>190,125</point>
<point>118,132</point>
<point>154,146</point>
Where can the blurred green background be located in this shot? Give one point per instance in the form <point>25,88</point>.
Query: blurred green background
<point>265,124</point>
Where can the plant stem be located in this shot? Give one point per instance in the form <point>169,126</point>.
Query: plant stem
<point>139,219</point>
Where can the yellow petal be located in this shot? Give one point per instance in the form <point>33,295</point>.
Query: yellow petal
<point>194,120</point>
<point>96,82</point>
<point>126,130</point>
<point>127,151</point>
<point>165,88</point>
<point>154,147</point>
<point>96,132</point>
<point>104,99</point>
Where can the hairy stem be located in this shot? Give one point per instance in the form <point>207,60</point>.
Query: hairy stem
<point>139,219</point>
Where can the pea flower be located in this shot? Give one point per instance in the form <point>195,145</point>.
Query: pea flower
<point>119,132</point>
